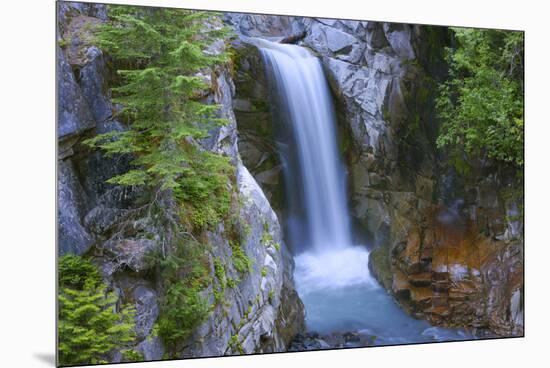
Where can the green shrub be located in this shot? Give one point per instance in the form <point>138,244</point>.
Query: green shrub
<point>89,327</point>
<point>183,309</point>
<point>132,355</point>
<point>481,103</point>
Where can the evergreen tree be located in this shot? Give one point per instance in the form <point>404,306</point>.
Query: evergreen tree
<point>481,103</point>
<point>88,326</point>
<point>161,55</point>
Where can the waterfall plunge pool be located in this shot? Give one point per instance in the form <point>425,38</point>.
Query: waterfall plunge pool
<point>341,296</point>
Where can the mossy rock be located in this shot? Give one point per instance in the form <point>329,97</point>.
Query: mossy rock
<point>380,266</point>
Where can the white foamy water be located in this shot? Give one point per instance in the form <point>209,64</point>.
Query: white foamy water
<point>331,269</point>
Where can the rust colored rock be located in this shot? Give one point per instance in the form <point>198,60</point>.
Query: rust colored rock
<point>421,295</point>
<point>421,279</point>
<point>453,275</point>
<point>440,311</point>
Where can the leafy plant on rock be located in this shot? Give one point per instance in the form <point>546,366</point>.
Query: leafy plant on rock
<point>90,327</point>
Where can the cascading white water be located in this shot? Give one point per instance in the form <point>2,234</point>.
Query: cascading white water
<point>329,260</point>
<point>331,274</point>
<point>300,77</point>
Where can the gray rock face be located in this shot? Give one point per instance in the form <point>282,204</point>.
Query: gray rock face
<point>262,312</point>
<point>72,236</point>
<point>137,254</point>
<point>253,25</point>
<point>151,348</point>
<point>325,38</point>
<point>147,310</point>
<point>74,116</point>
<point>252,318</point>
<point>92,77</point>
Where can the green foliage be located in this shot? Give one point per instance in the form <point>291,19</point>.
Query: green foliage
<point>232,283</point>
<point>185,274</point>
<point>264,271</point>
<point>89,328</point>
<point>206,191</point>
<point>132,355</point>
<point>241,262</point>
<point>481,103</point>
<point>161,55</point>
<point>63,43</point>
<point>235,344</point>
<point>219,271</point>
<point>267,239</point>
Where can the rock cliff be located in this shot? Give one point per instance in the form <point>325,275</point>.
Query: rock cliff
<point>262,313</point>
<point>447,245</point>
<point>426,222</point>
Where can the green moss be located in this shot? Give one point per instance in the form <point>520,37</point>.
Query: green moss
<point>235,344</point>
<point>248,311</point>
<point>219,271</point>
<point>264,271</point>
<point>185,274</point>
<point>63,43</point>
<point>386,114</point>
<point>232,283</point>
<point>241,262</point>
<point>246,229</point>
<point>381,261</point>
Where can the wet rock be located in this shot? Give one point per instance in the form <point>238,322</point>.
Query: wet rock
<point>336,340</point>
<point>376,38</point>
<point>399,38</point>
<point>464,278</point>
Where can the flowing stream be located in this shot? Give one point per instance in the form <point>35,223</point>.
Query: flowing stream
<point>331,275</point>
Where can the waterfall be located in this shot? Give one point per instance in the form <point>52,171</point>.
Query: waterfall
<point>315,178</point>
<point>312,163</point>
<point>331,273</point>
